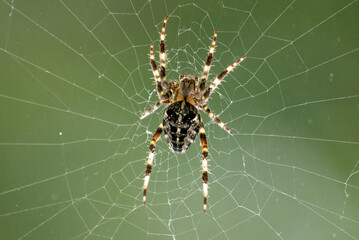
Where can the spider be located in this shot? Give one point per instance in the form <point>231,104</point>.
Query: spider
<point>181,118</point>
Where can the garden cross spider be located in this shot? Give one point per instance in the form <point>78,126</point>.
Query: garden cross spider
<point>181,119</point>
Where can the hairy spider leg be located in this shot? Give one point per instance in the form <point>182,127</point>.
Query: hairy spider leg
<point>218,80</point>
<point>149,162</point>
<point>202,135</point>
<point>216,119</point>
<point>157,105</point>
<point>207,66</point>
<point>164,97</point>
<point>156,74</point>
<point>163,55</point>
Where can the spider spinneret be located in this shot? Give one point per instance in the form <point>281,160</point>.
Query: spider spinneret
<point>181,119</point>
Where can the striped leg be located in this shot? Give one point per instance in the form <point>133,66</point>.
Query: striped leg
<point>156,74</point>
<point>218,80</point>
<point>155,107</point>
<point>163,55</point>
<point>216,119</point>
<point>149,162</point>
<point>207,66</point>
<point>204,165</point>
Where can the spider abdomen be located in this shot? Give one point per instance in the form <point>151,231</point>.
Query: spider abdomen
<point>181,123</point>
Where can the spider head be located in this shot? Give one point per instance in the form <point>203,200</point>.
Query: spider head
<point>188,85</point>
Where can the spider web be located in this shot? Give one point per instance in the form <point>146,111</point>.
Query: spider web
<point>75,80</point>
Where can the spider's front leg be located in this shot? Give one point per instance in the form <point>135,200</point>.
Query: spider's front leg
<point>218,80</point>
<point>156,74</point>
<point>160,76</point>
<point>163,55</point>
<point>207,66</point>
<point>202,135</point>
<point>149,162</point>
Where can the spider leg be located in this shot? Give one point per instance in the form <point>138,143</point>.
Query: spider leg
<point>216,119</point>
<point>207,66</point>
<point>204,165</point>
<point>163,55</point>
<point>166,99</point>
<point>156,106</point>
<point>218,80</point>
<point>149,162</point>
<point>156,73</point>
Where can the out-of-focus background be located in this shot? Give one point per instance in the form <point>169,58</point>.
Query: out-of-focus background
<point>75,78</point>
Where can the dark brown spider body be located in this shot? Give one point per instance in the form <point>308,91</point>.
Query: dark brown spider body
<point>181,123</point>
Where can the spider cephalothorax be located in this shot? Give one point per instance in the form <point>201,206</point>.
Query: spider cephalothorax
<point>181,118</point>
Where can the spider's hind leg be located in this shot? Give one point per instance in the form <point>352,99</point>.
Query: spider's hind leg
<point>204,165</point>
<point>149,162</point>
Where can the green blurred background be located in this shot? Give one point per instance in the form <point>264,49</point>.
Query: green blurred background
<point>75,80</point>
